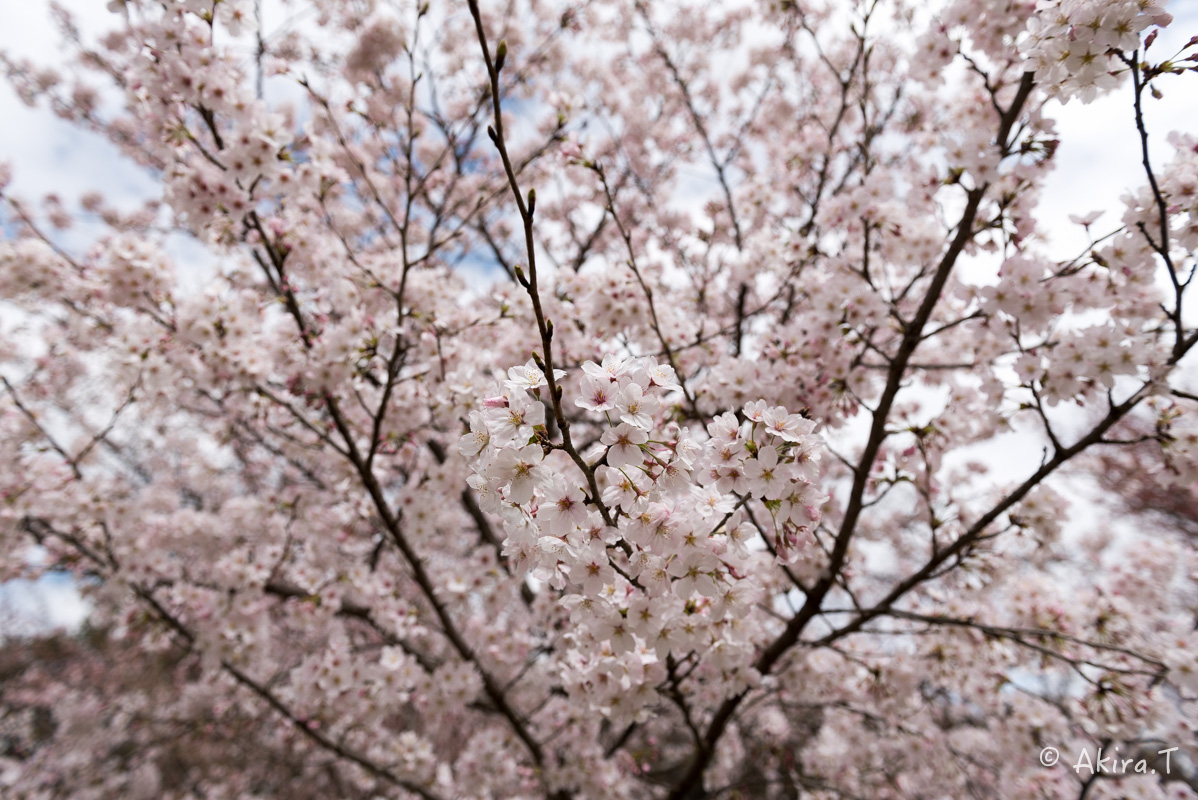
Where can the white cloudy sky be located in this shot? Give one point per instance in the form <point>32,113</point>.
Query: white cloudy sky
<point>1097,162</point>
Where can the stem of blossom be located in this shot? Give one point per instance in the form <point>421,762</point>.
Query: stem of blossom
<point>1017,634</point>
<point>530,283</point>
<point>898,367</point>
<point>692,781</point>
<point>362,613</point>
<point>40,528</point>
<point>390,520</point>
<point>1161,247</point>
<point>626,235</point>
<point>976,530</point>
<point>33,420</point>
<point>280,707</point>
<point>720,166</point>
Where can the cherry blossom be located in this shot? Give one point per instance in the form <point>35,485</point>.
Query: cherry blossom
<point>600,401</point>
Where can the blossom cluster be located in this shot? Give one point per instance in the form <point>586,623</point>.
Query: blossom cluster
<point>1071,45</point>
<point>665,563</point>
<point>1071,42</point>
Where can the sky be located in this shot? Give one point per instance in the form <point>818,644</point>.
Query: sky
<point>1098,162</point>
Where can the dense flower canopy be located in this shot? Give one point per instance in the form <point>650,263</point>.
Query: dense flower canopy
<point>582,400</point>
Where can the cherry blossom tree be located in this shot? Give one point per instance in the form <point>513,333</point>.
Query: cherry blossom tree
<point>588,400</point>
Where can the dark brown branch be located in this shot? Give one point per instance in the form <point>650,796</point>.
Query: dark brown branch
<point>692,781</point>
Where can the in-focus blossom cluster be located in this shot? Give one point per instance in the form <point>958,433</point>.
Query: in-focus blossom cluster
<point>1072,42</point>
<point>666,562</point>
<point>1071,45</point>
